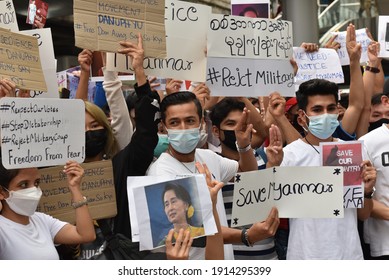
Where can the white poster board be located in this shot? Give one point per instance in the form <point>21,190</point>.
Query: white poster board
<point>383,35</point>
<point>362,38</point>
<point>322,64</point>
<point>297,192</point>
<point>151,199</point>
<point>48,63</point>
<point>235,37</point>
<point>41,132</point>
<point>186,29</point>
<point>249,77</point>
<point>8,18</point>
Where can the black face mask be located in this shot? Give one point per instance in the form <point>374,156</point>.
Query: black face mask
<point>377,124</point>
<point>229,139</point>
<point>95,141</point>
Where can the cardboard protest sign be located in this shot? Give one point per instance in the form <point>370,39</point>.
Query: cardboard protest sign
<point>241,37</point>
<point>297,192</point>
<point>192,209</point>
<point>349,155</point>
<point>249,77</point>
<point>41,132</point>
<point>383,35</point>
<point>322,64</point>
<point>101,24</point>
<point>361,38</point>
<point>8,19</point>
<point>186,29</point>
<point>46,50</point>
<point>97,186</point>
<point>251,8</point>
<point>20,61</point>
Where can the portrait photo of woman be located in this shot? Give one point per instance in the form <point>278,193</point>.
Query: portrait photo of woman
<point>174,204</point>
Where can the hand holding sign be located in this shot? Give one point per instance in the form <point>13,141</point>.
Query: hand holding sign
<point>179,251</point>
<point>7,88</point>
<point>262,230</point>
<point>331,44</point>
<point>85,59</point>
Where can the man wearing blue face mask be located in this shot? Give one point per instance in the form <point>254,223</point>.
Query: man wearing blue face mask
<point>323,238</point>
<point>181,114</point>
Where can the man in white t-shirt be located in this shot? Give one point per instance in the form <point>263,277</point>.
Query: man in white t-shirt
<point>322,238</point>
<point>181,114</point>
<point>376,228</point>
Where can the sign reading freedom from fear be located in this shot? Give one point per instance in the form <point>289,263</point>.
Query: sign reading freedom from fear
<point>297,192</point>
<point>101,24</point>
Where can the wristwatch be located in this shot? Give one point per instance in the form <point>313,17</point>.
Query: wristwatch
<point>370,194</point>
<point>80,203</point>
<point>372,69</point>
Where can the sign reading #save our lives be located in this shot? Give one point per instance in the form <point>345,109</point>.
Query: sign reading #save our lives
<point>297,192</point>
<point>97,186</point>
<point>41,132</point>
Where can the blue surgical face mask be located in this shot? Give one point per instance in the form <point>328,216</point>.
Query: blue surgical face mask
<point>184,141</point>
<point>163,143</point>
<point>323,126</point>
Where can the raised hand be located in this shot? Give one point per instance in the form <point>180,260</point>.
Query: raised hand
<point>85,59</point>
<point>354,49</point>
<point>262,230</point>
<point>74,173</point>
<point>331,44</point>
<point>173,86</point>
<point>274,151</point>
<point>276,105</point>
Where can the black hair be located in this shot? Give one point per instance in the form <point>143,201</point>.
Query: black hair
<point>178,98</point>
<point>6,175</point>
<point>221,109</point>
<point>376,99</point>
<point>315,87</point>
<point>180,192</point>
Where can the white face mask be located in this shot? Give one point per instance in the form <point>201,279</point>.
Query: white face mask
<point>25,201</point>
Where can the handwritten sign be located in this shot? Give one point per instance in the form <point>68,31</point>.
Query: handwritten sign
<point>8,19</point>
<point>383,35</point>
<point>349,156</point>
<point>361,38</point>
<point>97,185</point>
<point>249,77</point>
<point>100,25</point>
<point>322,64</point>
<point>297,192</point>
<point>186,28</point>
<point>46,50</point>
<point>20,62</point>
<point>41,132</point>
<point>233,36</point>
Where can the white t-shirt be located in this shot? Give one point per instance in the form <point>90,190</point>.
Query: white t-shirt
<point>326,239</point>
<point>34,241</point>
<point>222,169</point>
<point>376,231</point>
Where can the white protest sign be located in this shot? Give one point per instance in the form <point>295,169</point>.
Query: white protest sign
<point>186,29</point>
<point>322,64</point>
<point>297,192</point>
<point>8,19</point>
<point>249,77</point>
<point>383,35</point>
<point>157,219</point>
<point>347,154</point>
<point>48,62</point>
<point>41,132</point>
<point>234,37</point>
<point>361,38</point>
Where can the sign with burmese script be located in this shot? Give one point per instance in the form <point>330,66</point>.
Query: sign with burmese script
<point>186,59</point>
<point>101,24</point>
<point>20,62</point>
<point>41,131</point>
<point>348,155</point>
<point>97,186</point>
<point>8,19</point>
<point>297,192</point>
<point>321,64</point>
<point>249,56</point>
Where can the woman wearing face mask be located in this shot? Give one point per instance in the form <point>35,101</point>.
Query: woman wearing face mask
<point>26,234</point>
